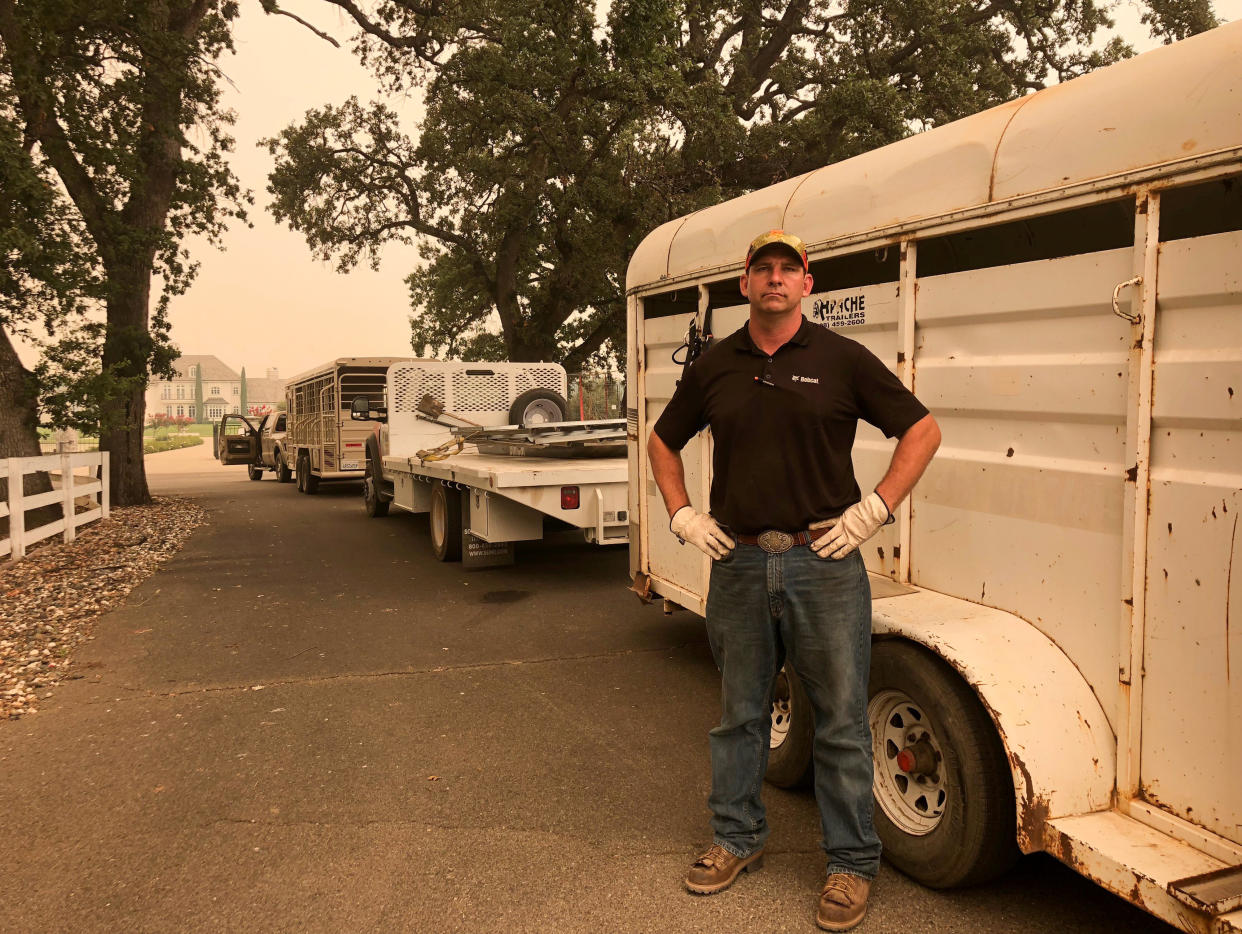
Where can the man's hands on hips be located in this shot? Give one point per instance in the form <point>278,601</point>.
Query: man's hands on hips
<point>851,528</point>
<point>702,531</point>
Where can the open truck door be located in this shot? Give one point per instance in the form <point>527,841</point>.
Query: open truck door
<point>238,440</point>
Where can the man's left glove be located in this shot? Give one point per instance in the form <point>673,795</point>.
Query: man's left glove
<point>851,528</point>
<point>702,531</point>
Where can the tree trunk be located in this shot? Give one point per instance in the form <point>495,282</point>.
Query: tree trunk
<point>127,348</point>
<point>19,434</point>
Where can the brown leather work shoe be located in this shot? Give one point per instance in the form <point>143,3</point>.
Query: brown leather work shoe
<point>843,902</point>
<point>716,869</point>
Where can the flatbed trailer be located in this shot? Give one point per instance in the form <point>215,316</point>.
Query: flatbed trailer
<point>487,484</point>
<point>502,499</point>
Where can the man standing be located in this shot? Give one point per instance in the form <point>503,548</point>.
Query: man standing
<point>783,397</point>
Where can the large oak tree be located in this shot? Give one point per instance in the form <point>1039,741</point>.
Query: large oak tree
<point>555,137</point>
<point>117,103</point>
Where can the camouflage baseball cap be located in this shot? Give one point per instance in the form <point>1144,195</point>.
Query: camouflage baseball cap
<point>777,237</point>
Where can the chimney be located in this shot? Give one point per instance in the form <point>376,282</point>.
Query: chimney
<point>273,373</point>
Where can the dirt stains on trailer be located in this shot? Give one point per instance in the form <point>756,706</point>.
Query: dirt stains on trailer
<point>1033,811</point>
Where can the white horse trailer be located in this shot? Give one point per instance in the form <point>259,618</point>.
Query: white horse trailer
<point>1057,611</point>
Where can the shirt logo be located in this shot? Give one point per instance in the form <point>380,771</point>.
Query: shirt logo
<point>806,379</point>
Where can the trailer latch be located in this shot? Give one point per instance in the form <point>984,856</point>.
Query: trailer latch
<point>1128,315</point>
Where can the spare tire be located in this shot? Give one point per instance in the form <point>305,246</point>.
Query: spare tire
<point>538,407</point>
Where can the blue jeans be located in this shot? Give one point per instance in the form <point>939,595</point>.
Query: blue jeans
<point>762,609</point>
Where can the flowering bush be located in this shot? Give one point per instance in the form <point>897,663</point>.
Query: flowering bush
<point>159,420</point>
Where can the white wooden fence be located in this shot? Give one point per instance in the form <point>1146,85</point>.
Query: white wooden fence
<point>70,489</point>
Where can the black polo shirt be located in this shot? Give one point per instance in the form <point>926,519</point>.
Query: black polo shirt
<point>784,425</point>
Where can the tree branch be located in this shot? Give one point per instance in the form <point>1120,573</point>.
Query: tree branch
<point>271,8</point>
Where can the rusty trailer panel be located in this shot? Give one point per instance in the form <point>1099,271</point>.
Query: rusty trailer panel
<point>1060,745</point>
<point>1141,865</point>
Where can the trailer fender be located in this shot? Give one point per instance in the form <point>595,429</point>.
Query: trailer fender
<point>1060,745</point>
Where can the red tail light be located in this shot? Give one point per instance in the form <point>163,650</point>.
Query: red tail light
<point>569,497</point>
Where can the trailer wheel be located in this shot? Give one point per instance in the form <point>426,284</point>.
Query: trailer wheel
<point>445,523</point>
<point>307,481</point>
<point>254,471</point>
<point>283,473</point>
<point>538,407</point>
<point>790,763</point>
<point>943,791</point>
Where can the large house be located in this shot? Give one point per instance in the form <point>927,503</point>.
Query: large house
<point>222,390</point>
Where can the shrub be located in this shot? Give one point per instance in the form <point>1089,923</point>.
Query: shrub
<point>171,444</point>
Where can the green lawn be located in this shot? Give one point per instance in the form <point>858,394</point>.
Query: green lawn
<point>171,444</point>
<point>203,431</point>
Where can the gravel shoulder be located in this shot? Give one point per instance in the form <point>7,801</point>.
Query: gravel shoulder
<point>49,600</point>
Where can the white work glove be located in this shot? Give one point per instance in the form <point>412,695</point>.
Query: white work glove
<point>851,528</point>
<point>702,531</point>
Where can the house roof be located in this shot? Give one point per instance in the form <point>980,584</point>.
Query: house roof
<point>211,367</point>
<point>264,390</point>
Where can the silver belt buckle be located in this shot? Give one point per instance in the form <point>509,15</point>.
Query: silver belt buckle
<point>774,542</point>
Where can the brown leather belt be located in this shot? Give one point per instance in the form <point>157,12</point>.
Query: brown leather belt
<point>777,543</point>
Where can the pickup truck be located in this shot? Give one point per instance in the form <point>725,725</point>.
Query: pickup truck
<point>260,447</point>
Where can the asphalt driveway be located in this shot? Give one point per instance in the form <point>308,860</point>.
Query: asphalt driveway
<point>305,723</point>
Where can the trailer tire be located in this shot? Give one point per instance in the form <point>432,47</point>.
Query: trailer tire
<point>307,481</point>
<point>538,407</point>
<point>949,820</point>
<point>254,471</point>
<point>283,473</point>
<point>790,760</point>
<point>445,523</point>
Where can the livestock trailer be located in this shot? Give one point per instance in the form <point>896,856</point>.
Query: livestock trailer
<point>1058,607</point>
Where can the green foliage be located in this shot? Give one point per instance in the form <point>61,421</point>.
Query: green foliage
<point>75,386</point>
<point>554,141</point>
<point>48,273</point>
<point>1177,19</point>
<point>171,444</point>
<point>117,111</point>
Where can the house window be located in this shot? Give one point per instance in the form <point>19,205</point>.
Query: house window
<point>180,392</point>
<point>181,410</point>
<point>215,390</point>
<point>168,410</point>
<point>191,408</point>
<point>166,392</point>
<point>236,390</point>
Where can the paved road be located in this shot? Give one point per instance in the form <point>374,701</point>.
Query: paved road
<point>304,723</point>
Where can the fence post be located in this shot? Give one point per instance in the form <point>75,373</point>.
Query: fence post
<point>66,489</point>
<point>17,509</point>
<point>105,498</point>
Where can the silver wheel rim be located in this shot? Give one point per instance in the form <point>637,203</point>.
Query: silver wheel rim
<point>914,802</point>
<point>540,412</point>
<point>782,712</point>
